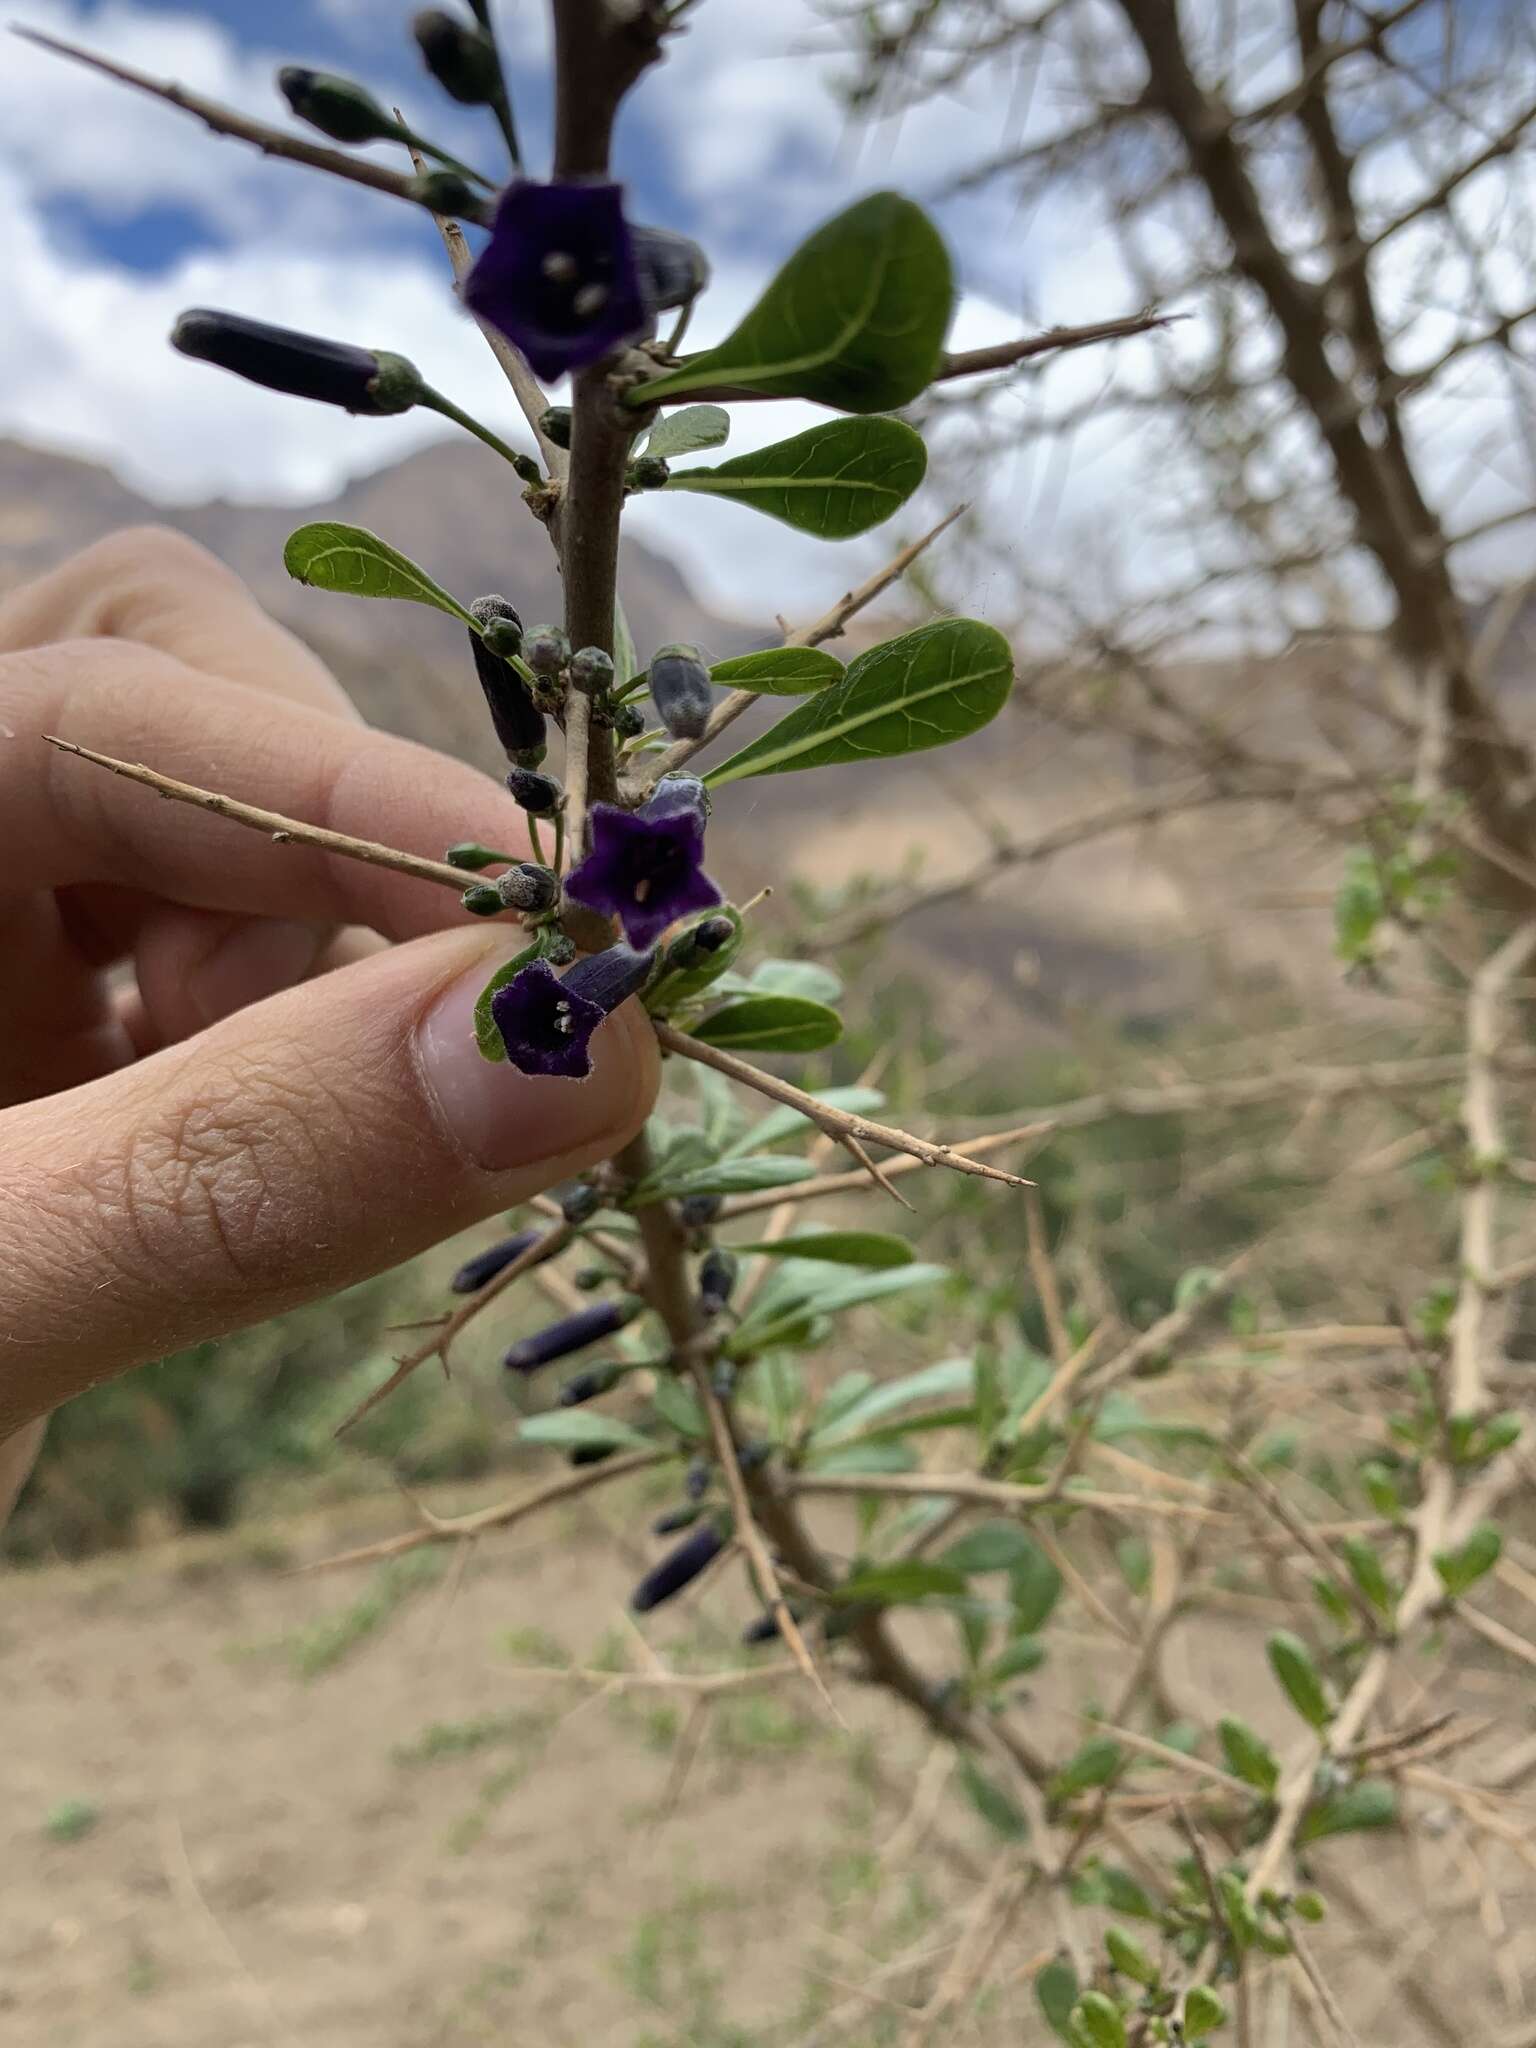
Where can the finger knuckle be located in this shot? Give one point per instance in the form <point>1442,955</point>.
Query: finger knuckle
<point>143,557</point>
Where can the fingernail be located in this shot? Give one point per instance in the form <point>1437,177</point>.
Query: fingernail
<point>502,1118</point>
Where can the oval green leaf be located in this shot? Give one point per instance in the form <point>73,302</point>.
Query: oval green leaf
<point>737,1177</point>
<point>842,1247</point>
<point>806,978</point>
<point>834,480</point>
<point>895,1584</point>
<point>582,1430</point>
<point>687,430</point>
<point>779,671</point>
<point>856,318</point>
<point>771,1024</point>
<point>921,690</point>
<point>350,559</point>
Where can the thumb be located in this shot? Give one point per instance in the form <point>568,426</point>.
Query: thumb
<point>300,1145</point>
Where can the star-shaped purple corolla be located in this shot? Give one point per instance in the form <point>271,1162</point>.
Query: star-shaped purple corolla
<point>546,1024</point>
<point>646,866</point>
<point>559,276</point>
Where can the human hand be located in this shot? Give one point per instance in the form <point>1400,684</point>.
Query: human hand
<point>276,1103</point>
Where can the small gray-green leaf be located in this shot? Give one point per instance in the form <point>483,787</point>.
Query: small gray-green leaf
<point>797,978</point>
<point>1291,1662</point>
<point>834,480</point>
<point>771,1024</point>
<point>779,671</point>
<point>842,1247</point>
<point>989,1547</point>
<point>738,1177</point>
<point>904,1580</point>
<point>785,1122</point>
<point>994,1805</point>
<point>582,1429</point>
<point>1056,1989</point>
<point>1372,1803</point>
<point>856,318</point>
<point>350,559</point>
<point>939,1382</point>
<point>1248,1755</point>
<point>1462,1568</point>
<point>922,690</point>
<point>687,430</point>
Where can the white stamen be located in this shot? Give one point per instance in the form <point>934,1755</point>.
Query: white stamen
<point>559,267</point>
<point>589,300</point>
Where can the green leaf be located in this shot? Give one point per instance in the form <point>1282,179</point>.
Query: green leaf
<point>898,1583</point>
<point>771,1024</point>
<point>989,1547</point>
<point>778,1388</point>
<point>785,1122</point>
<point>822,1293</point>
<point>921,690</point>
<point>839,1247</point>
<point>991,1802</point>
<point>834,480</point>
<point>1248,1755</point>
<point>678,1405</point>
<point>856,318</point>
<point>1034,1586</point>
<point>1023,1655</point>
<point>1370,1804</point>
<point>878,1454</point>
<point>779,671</point>
<point>736,1177</point>
<point>932,1383</point>
<point>350,559</point>
<point>804,978</point>
<point>626,658</point>
<point>1093,1765</point>
<point>1203,2012</point>
<point>1291,1662</point>
<point>1462,1568</point>
<point>1130,1958</point>
<point>1056,1991</point>
<point>1096,2022</point>
<point>583,1427</point>
<point>840,1396</point>
<point>687,430</point>
<point>1369,1574</point>
<point>489,1040</point>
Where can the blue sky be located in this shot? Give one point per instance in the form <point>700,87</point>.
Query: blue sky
<point>117,212</point>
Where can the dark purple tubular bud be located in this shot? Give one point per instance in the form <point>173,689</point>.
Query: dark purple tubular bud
<point>717,1280</point>
<point>540,795</point>
<point>447,192</point>
<point>723,1378</point>
<point>673,268</point>
<point>579,1201</point>
<point>591,670</point>
<point>528,887</point>
<point>360,380</point>
<point>610,977</point>
<point>699,1211</point>
<point>681,690</point>
<point>482,899</point>
<point>470,855</point>
<point>679,1568</point>
<point>591,1454</point>
<point>555,425</point>
<point>647,473</point>
<point>675,1519</point>
<point>586,1386</point>
<point>338,107</point>
<point>766,1628</point>
<point>547,650</point>
<point>460,58</point>
<point>629,721</point>
<point>696,1484</point>
<point>518,721</point>
<point>572,1333</point>
<point>484,1266</point>
<point>757,1451</point>
<point>591,1278</point>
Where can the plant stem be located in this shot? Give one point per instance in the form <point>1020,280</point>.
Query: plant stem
<point>435,402</point>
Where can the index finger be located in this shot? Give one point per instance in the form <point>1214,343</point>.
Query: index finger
<point>150,585</point>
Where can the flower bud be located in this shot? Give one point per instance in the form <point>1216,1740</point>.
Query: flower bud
<point>518,721</point>
<point>675,1519</point>
<point>503,634</point>
<point>610,977</point>
<point>679,1568</point>
<point>696,1483</point>
<point>338,107</point>
<point>361,380</point>
<point>484,1266</point>
<point>586,1386</point>
<point>547,650</point>
<point>572,1333</point>
<point>482,899</point>
<point>754,1453</point>
<point>528,887</point>
<point>766,1627</point>
<point>591,670</point>
<point>673,268</point>
<point>717,1280</point>
<point>699,1211</point>
<point>696,945</point>
<point>579,1201</point>
<point>647,473</point>
<point>559,950</point>
<point>555,425</point>
<point>540,795</point>
<point>447,192</point>
<point>470,855</point>
<point>681,691</point>
<point>591,1454</point>
<point>629,721</point>
<point>462,59</point>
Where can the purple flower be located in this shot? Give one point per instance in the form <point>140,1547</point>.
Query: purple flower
<point>559,276</point>
<point>547,1024</point>
<point>645,867</point>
